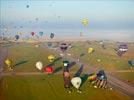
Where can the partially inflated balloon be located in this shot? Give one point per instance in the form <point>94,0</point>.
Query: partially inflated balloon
<point>76,82</point>
<point>39,65</point>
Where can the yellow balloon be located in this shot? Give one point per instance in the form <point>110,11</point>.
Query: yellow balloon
<point>8,62</point>
<point>19,33</point>
<point>51,58</point>
<point>90,50</point>
<point>84,21</point>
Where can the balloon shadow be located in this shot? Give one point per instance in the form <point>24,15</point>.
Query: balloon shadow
<point>57,70</point>
<point>84,78</point>
<point>20,63</point>
<point>57,59</point>
<point>71,65</point>
<point>82,54</point>
<point>78,73</point>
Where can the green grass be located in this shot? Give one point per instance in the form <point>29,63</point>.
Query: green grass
<point>127,76</point>
<point>109,59</point>
<point>25,56</point>
<point>45,87</point>
<point>50,88</point>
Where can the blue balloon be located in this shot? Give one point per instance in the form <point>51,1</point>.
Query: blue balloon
<point>41,33</point>
<point>17,37</point>
<point>52,35</point>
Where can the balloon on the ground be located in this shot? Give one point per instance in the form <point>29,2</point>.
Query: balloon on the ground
<point>76,82</point>
<point>92,77</point>
<point>84,21</point>
<point>65,63</point>
<point>51,58</point>
<point>39,65</point>
<point>27,6</point>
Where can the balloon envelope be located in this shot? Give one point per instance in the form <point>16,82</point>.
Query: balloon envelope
<point>32,33</point>
<point>41,33</point>
<point>84,21</point>
<point>76,82</point>
<point>16,37</point>
<point>51,58</point>
<point>90,50</point>
<point>52,35</point>
<point>39,65</point>
<point>8,62</point>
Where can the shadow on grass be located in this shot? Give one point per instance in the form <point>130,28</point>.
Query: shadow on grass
<point>78,73</point>
<point>57,70</point>
<point>84,78</point>
<point>57,59</point>
<point>20,63</point>
<point>71,64</point>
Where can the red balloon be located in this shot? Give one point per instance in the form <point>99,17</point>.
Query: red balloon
<point>32,33</point>
<point>48,70</point>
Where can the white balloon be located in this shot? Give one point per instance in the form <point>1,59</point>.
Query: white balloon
<point>76,82</point>
<point>39,65</point>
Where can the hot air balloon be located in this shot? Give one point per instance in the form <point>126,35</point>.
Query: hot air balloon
<point>8,62</point>
<point>39,65</point>
<point>51,58</point>
<point>49,44</point>
<point>41,33</point>
<point>63,47</point>
<point>122,48</point>
<point>27,6</point>
<point>101,79</point>
<point>67,79</point>
<point>48,70</point>
<point>84,21</point>
<point>76,82</point>
<point>32,33</point>
<point>90,50</point>
<point>52,35</point>
<point>17,37</point>
<point>65,63</point>
<point>19,33</point>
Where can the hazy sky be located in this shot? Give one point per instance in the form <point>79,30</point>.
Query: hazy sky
<point>63,17</point>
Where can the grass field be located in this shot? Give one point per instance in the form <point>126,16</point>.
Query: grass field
<point>50,87</point>
<point>126,76</point>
